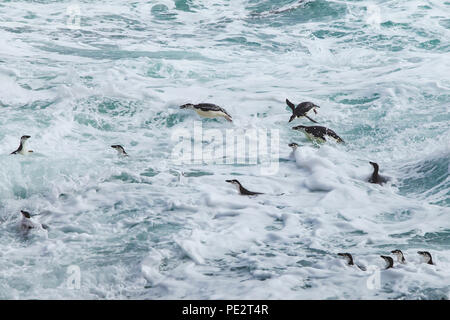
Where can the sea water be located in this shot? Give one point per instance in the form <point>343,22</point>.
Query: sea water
<point>80,76</point>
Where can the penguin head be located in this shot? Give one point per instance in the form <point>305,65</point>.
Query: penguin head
<point>426,255</point>
<point>315,108</point>
<point>374,164</point>
<point>389,261</point>
<point>399,255</point>
<point>24,138</point>
<point>293,145</point>
<point>25,214</point>
<point>187,106</point>
<point>300,128</point>
<point>119,149</point>
<point>347,256</point>
<point>234,181</point>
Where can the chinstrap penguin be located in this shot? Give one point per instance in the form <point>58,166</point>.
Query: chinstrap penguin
<point>241,189</point>
<point>376,178</point>
<point>23,150</point>
<point>427,256</point>
<point>208,110</point>
<point>120,150</point>
<point>389,261</point>
<point>301,110</point>
<point>27,224</point>
<point>399,255</point>
<point>349,259</point>
<point>318,133</point>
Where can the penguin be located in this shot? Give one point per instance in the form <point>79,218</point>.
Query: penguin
<point>427,256</point>
<point>242,190</point>
<point>389,261</point>
<point>318,133</point>
<point>294,147</point>
<point>26,224</point>
<point>120,150</point>
<point>208,110</point>
<point>399,255</point>
<point>23,150</point>
<point>301,110</point>
<point>348,257</point>
<point>376,178</point>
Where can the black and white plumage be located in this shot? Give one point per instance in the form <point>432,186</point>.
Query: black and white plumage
<point>399,255</point>
<point>120,150</point>
<point>427,256</point>
<point>208,110</point>
<point>349,259</point>
<point>241,189</point>
<point>318,133</point>
<point>27,224</point>
<point>294,147</point>
<point>389,261</point>
<point>23,150</point>
<point>376,178</point>
<point>302,109</point>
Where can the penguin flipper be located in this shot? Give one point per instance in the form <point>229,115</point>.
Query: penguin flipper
<point>311,119</point>
<point>290,104</point>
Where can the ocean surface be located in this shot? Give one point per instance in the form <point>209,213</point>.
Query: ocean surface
<point>80,76</point>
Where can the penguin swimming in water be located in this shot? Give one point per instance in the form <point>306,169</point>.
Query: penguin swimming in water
<point>399,255</point>
<point>301,110</point>
<point>208,110</point>
<point>376,178</point>
<point>349,258</point>
<point>427,256</point>
<point>294,147</point>
<point>318,133</point>
<point>241,189</point>
<point>389,261</point>
<point>23,150</point>
<point>26,224</point>
<point>120,150</point>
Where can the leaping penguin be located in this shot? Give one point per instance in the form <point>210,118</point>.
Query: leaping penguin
<point>301,110</point>
<point>399,255</point>
<point>23,150</point>
<point>318,133</point>
<point>241,189</point>
<point>120,150</point>
<point>208,110</point>
<point>26,224</point>
<point>389,261</point>
<point>427,256</point>
<point>376,178</point>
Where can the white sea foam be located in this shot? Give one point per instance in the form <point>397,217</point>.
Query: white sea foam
<point>146,227</point>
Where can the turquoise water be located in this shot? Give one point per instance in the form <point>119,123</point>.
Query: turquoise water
<point>81,76</point>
